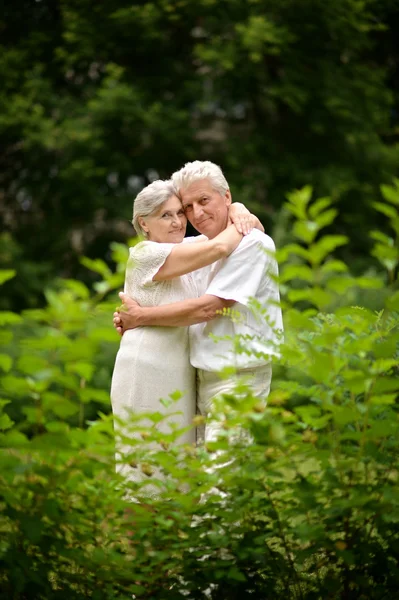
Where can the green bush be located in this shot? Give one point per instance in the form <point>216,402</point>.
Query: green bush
<point>308,509</point>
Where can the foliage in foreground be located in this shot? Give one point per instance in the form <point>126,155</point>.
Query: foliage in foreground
<point>303,504</point>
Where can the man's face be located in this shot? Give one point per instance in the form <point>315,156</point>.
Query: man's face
<point>206,209</point>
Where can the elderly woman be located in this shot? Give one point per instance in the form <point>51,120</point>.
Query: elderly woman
<point>153,362</point>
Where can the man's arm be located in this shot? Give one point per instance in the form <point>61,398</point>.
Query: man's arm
<point>176,314</point>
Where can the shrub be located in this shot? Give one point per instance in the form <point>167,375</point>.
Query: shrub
<point>309,509</point>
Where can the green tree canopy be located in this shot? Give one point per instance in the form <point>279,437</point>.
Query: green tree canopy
<point>98,99</point>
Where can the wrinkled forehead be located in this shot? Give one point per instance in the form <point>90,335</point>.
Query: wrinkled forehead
<point>196,191</point>
<point>172,203</point>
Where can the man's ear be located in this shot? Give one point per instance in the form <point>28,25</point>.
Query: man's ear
<point>228,198</point>
<point>143,224</point>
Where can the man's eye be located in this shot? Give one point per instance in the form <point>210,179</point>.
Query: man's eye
<point>188,208</point>
<point>204,200</point>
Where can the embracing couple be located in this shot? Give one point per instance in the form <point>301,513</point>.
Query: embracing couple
<point>174,335</point>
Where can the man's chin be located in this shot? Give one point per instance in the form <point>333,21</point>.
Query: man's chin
<point>210,231</point>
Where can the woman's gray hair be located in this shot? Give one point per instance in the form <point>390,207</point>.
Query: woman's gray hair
<point>149,199</point>
<point>197,170</point>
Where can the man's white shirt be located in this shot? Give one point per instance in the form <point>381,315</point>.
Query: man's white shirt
<point>247,276</point>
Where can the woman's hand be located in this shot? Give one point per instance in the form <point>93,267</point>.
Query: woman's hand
<point>243,220</point>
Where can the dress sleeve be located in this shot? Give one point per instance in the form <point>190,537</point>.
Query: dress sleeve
<point>144,262</point>
<point>195,238</point>
<point>245,270</point>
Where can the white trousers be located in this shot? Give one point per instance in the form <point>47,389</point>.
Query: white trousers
<point>210,386</point>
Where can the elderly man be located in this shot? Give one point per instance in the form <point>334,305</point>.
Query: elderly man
<point>243,280</point>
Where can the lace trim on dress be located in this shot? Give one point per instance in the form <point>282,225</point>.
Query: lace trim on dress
<point>144,262</point>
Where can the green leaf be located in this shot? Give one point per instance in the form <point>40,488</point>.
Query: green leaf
<point>369,283</point>
<point>388,256</point>
<point>6,274</point>
<point>13,439</point>
<point>384,399</point>
<point>324,247</point>
<point>386,209</point>
<point>340,284</point>
<point>5,362</point>
<point>120,253</point>
<point>298,201</point>
<point>91,394</point>
<point>77,287</point>
<point>316,296</point>
<point>60,406</point>
<point>9,318</point>
<point>97,265</point>
<point>30,364</point>
<point>382,429</point>
<point>6,337</point>
<point>390,194</point>
<point>386,348</point>
<point>5,422</point>
<point>302,272</point>
<point>102,287</point>
<point>36,314</point>
<point>312,416</point>
<point>104,334</point>
<point>334,266</point>
<point>84,369</point>
<point>392,302</point>
<point>15,386</point>
<point>283,253</point>
<point>383,365</point>
<point>378,236</point>
<point>342,415</point>
<point>326,218</point>
<point>386,385</point>
<point>355,380</point>
<point>318,206</point>
<point>235,574</point>
<point>305,230</point>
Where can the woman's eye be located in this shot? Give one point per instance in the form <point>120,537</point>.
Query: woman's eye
<point>165,215</point>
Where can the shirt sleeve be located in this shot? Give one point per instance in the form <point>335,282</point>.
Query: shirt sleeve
<point>146,259</point>
<point>248,268</point>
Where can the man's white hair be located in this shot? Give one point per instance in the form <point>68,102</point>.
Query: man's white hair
<point>149,199</point>
<point>197,170</point>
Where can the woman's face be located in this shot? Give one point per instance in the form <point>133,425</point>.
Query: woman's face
<point>166,224</point>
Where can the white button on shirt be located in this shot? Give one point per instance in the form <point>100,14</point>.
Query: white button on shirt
<point>251,335</point>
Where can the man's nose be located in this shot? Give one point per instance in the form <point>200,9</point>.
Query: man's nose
<point>197,211</point>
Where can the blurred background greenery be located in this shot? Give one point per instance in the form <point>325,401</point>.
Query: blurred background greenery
<point>100,98</point>
<point>97,99</point>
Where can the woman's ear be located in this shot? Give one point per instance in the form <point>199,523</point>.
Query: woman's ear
<point>143,224</point>
<point>228,198</point>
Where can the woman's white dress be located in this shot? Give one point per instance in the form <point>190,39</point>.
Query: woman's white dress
<point>154,362</point>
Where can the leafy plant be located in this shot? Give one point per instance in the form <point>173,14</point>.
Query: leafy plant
<point>309,509</point>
